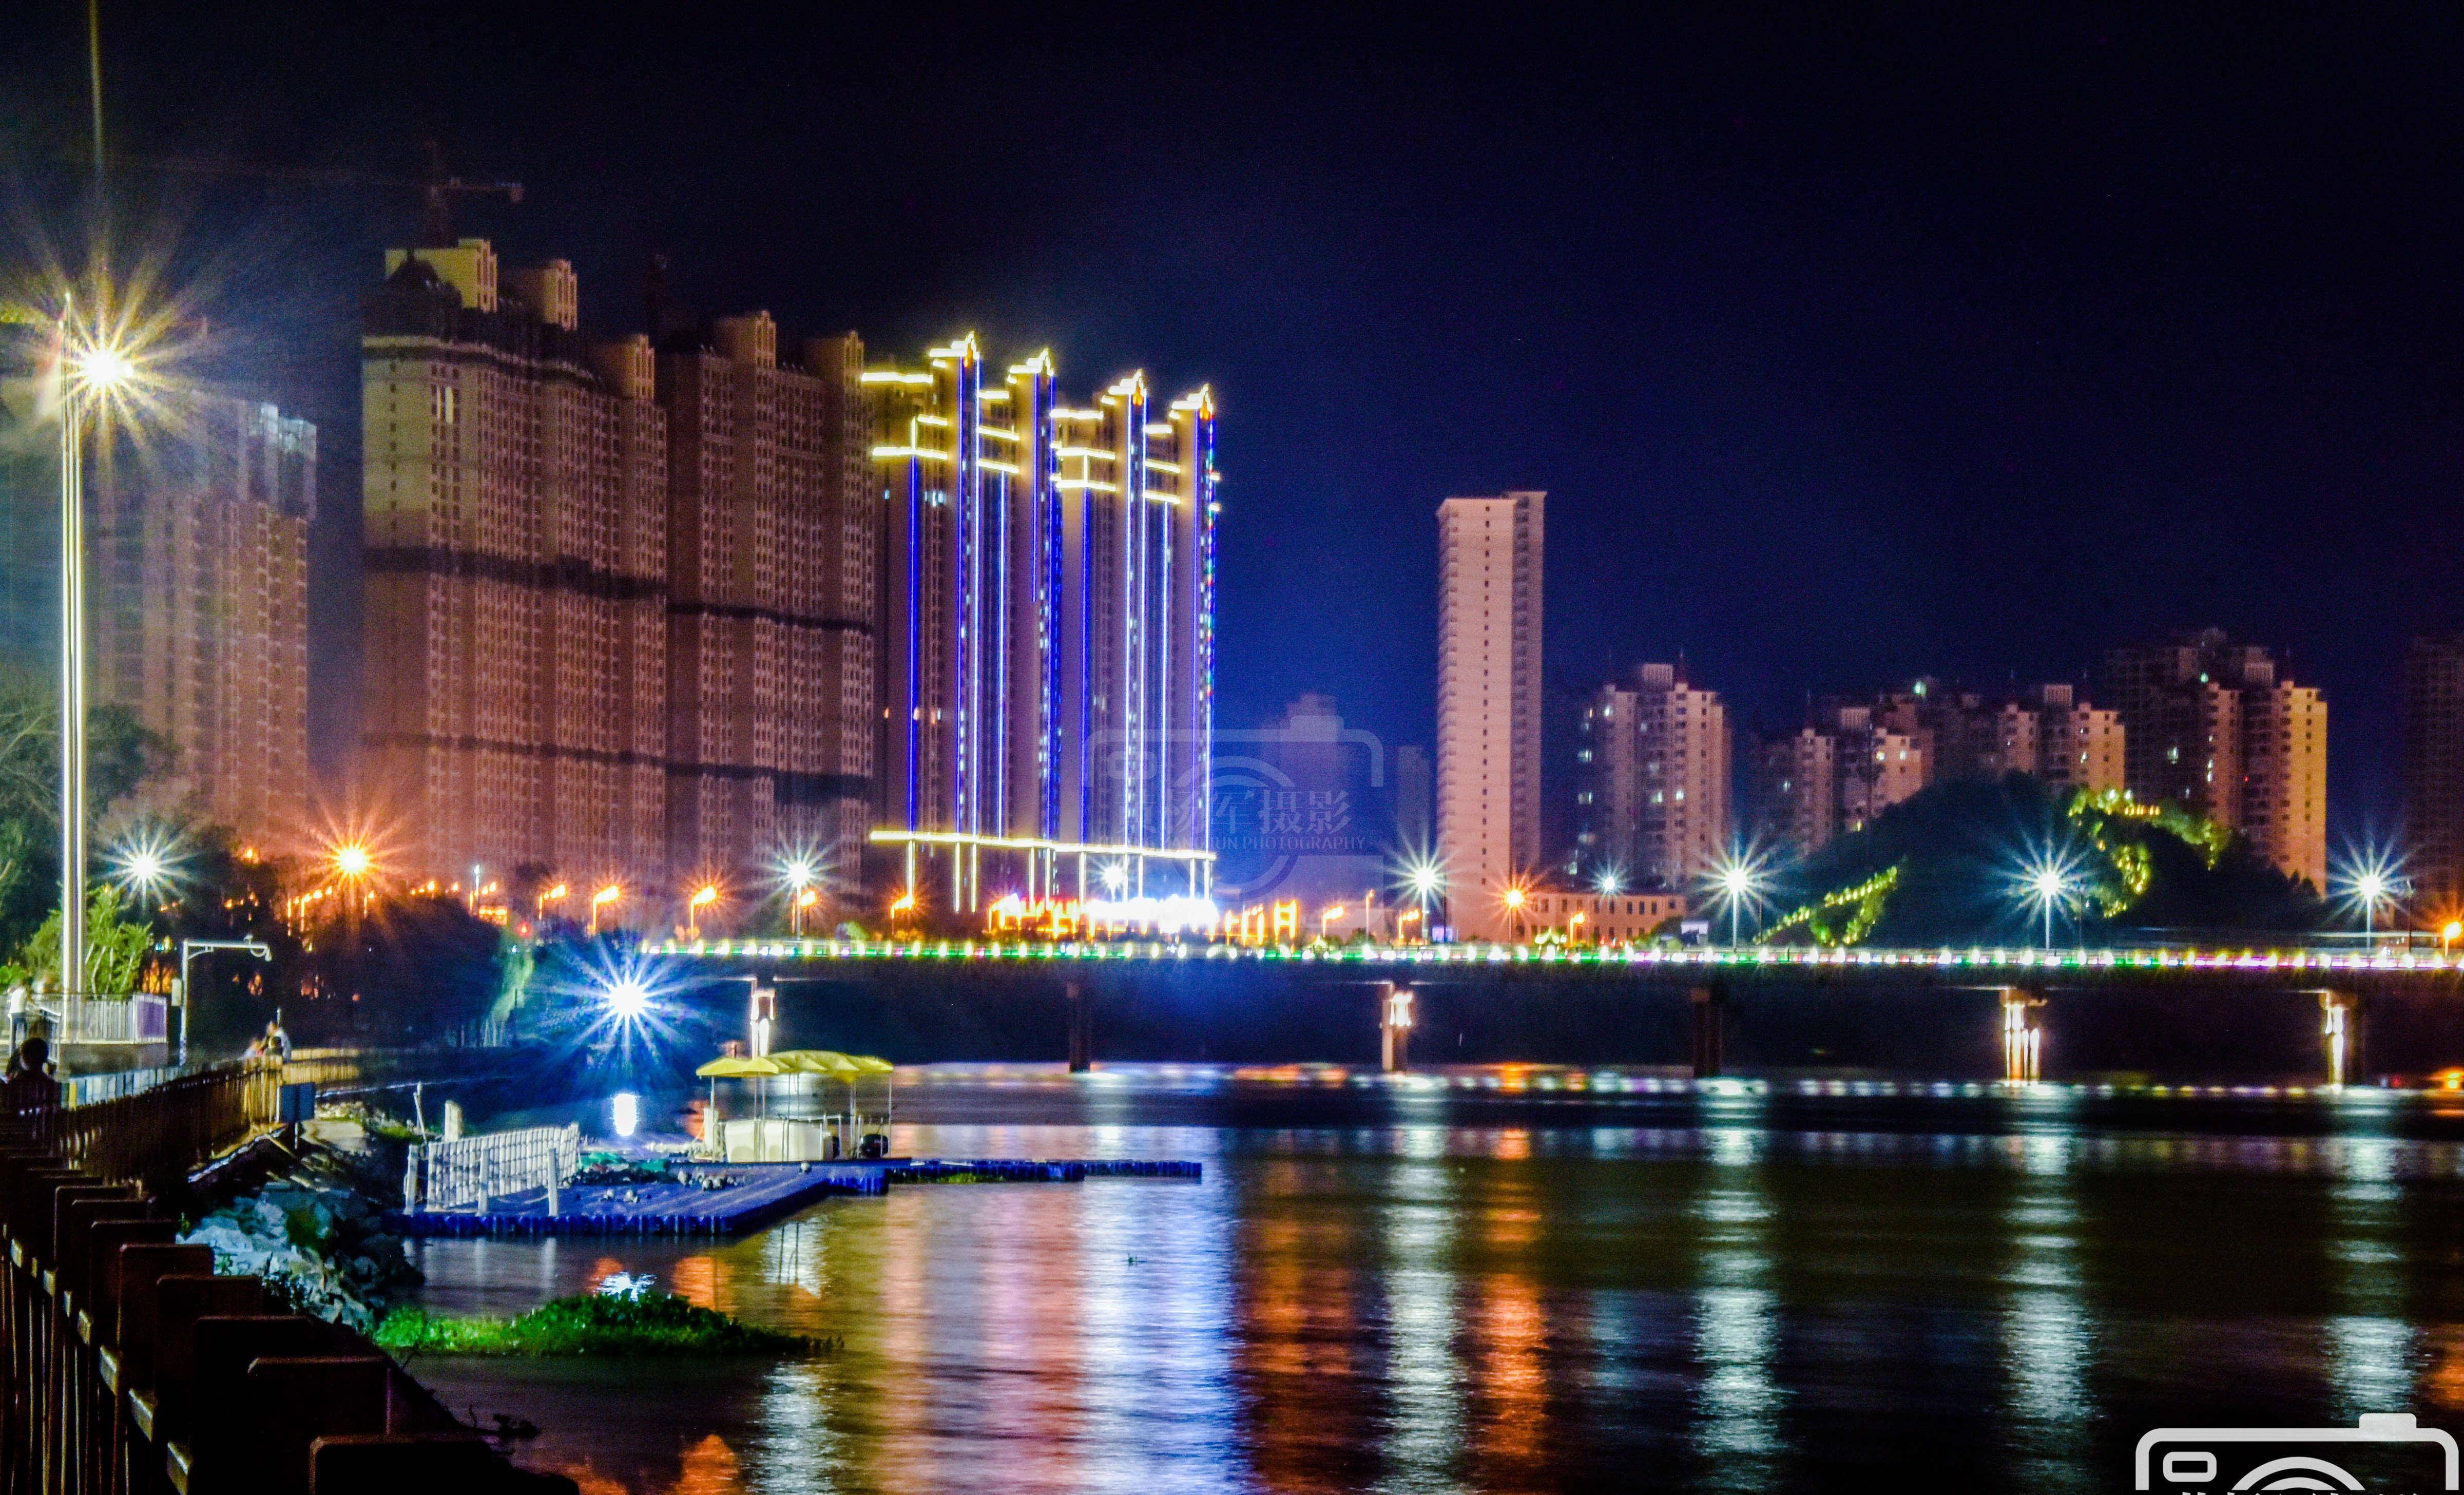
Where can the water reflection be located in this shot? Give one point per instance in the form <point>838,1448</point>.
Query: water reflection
<point>2045,1335</point>
<point>1736,1317</point>
<point>1424,1377</point>
<point>1405,1300</point>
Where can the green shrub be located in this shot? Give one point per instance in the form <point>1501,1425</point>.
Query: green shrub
<point>652,1324</point>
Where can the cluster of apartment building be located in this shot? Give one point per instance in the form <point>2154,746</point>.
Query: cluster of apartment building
<point>197,600</point>
<point>664,615</point>
<point>1857,758</point>
<point>1646,792</point>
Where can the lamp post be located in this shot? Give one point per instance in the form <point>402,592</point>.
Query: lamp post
<point>2051,887</point>
<point>88,373</point>
<point>703,897</point>
<point>600,900</point>
<point>2371,888</point>
<point>190,949</point>
<point>801,895</point>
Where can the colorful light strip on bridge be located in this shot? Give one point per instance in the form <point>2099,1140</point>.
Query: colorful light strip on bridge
<point>1773,960</point>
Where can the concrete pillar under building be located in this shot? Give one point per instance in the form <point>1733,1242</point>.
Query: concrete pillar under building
<point>1710,1031</point>
<point>1395,1029</point>
<point>2340,1034</point>
<point>1082,1039</point>
<point>2023,1035</point>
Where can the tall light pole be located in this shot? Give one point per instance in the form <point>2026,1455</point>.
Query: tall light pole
<point>89,371</point>
<point>73,977</point>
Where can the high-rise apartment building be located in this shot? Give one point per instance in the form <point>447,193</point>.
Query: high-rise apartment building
<point>2434,768</point>
<point>2080,746</point>
<point>1796,790</point>
<point>1047,629</point>
<point>1879,765</point>
<point>199,561</point>
<point>770,578</point>
<point>1651,781</point>
<point>516,518</point>
<point>1488,702</point>
<point>2207,726</point>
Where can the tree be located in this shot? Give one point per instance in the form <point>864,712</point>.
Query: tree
<point>115,947</point>
<point>121,754</point>
<point>1945,867</point>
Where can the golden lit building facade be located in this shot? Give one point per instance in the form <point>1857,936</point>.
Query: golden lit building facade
<point>515,494</point>
<point>769,602</point>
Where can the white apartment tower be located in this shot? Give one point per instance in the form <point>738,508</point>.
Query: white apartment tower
<point>1488,702</point>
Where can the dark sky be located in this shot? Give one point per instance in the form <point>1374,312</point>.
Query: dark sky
<point>1846,346</point>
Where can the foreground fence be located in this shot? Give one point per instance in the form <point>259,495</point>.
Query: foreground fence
<point>133,1367</point>
<point>158,1135</point>
<point>468,1172</point>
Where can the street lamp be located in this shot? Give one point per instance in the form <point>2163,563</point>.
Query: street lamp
<point>1736,880</point>
<point>801,894</point>
<point>2050,887</point>
<point>189,950</point>
<point>1515,898</point>
<point>600,900</point>
<point>2372,880</point>
<point>92,370</point>
<point>551,895</point>
<point>703,897</point>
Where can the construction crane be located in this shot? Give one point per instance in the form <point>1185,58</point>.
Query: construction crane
<point>437,187</point>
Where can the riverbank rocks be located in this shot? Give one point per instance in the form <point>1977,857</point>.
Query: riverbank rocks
<point>317,1236</point>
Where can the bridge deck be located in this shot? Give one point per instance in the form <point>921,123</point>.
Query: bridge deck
<point>1971,966</point>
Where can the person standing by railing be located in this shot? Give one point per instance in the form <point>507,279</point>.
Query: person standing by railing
<point>30,1088</point>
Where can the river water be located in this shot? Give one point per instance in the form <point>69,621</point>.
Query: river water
<point>1515,1280</point>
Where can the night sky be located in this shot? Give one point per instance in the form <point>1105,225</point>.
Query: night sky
<point>1847,348</point>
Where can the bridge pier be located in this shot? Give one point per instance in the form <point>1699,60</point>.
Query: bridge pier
<point>1710,1031</point>
<point>2340,1034</point>
<point>1082,1038</point>
<point>2023,1035</point>
<point>1395,1029</point>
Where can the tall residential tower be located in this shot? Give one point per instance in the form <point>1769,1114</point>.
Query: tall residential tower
<point>1488,703</point>
<point>1046,631</point>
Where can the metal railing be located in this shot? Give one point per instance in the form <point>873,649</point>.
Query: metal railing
<point>469,1172</point>
<point>163,1132</point>
<point>140,1018</point>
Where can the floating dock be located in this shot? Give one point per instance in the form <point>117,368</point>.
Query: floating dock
<point>755,1195</point>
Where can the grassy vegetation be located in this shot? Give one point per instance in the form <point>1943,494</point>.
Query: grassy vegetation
<point>653,1323</point>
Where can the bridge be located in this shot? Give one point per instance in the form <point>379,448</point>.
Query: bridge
<point>2023,979</point>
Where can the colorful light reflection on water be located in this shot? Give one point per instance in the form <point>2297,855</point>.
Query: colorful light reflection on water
<point>1418,1291</point>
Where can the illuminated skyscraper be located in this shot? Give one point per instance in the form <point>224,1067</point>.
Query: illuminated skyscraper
<point>1488,702</point>
<point>770,600</point>
<point>515,500</point>
<point>1047,628</point>
<point>200,557</point>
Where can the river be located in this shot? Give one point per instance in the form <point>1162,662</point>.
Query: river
<point>1519,1280</point>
